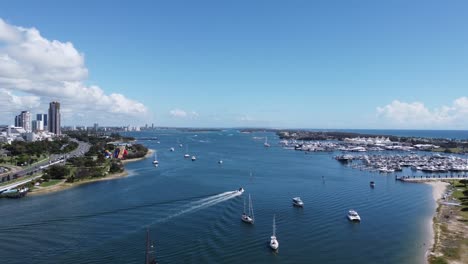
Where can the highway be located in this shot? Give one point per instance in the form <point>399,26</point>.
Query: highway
<point>82,148</point>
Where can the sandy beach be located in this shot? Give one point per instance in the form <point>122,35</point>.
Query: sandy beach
<point>65,185</point>
<point>438,190</point>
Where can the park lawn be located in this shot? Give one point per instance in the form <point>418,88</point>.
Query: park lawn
<point>50,183</point>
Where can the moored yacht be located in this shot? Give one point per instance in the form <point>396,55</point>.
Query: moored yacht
<point>298,202</point>
<point>353,216</point>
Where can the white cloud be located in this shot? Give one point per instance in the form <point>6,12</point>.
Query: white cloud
<point>179,113</point>
<point>246,118</point>
<point>417,115</point>
<point>48,70</point>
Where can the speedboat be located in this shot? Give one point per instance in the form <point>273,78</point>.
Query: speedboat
<point>353,216</point>
<point>274,244</point>
<point>298,202</point>
<point>171,149</point>
<point>240,190</point>
<point>194,158</point>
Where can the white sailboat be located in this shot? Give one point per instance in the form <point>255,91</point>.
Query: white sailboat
<point>248,217</point>
<point>266,143</point>
<point>155,159</point>
<point>274,244</point>
<point>186,152</point>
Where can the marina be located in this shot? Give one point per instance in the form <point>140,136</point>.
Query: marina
<point>435,164</point>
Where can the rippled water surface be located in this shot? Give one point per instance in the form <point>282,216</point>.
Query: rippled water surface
<point>194,216</point>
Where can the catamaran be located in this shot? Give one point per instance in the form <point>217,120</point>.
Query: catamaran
<point>248,217</point>
<point>298,202</point>
<point>353,216</point>
<point>274,244</point>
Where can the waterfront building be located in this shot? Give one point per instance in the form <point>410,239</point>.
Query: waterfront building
<point>54,118</point>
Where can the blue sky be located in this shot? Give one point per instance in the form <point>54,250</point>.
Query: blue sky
<point>313,64</point>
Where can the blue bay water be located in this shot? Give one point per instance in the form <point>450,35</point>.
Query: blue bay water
<point>193,220</point>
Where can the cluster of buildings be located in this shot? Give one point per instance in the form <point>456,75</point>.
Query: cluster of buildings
<point>45,126</point>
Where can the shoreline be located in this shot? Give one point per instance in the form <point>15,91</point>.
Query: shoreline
<point>62,186</point>
<point>148,154</point>
<point>438,190</point>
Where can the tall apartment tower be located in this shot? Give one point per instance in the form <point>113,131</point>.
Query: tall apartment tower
<point>18,122</point>
<point>23,120</point>
<point>54,118</point>
<point>43,118</point>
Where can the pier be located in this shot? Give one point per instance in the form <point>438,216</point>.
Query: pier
<point>422,178</point>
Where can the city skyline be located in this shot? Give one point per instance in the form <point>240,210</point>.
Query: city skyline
<point>252,65</point>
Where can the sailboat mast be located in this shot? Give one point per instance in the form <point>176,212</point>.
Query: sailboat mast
<point>251,208</point>
<point>274,225</point>
<point>244,205</point>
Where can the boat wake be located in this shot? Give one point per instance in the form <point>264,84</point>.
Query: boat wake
<point>201,204</point>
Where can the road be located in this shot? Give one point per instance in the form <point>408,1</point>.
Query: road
<point>82,148</point>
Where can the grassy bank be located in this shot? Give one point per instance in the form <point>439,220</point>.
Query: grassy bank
<point>451,228</point>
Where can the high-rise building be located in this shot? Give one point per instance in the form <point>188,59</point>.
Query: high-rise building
<point>96,127</point>
<point>37,125</point>
<point>54,118</point>
<point>23,120</point>
<point>43,118</point>
<point>18,122</point>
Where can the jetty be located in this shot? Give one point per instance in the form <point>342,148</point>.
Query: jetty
<point>422,178</point>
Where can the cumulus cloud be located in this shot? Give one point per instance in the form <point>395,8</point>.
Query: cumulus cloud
<point>416,114</point>
<point>179,113</point>
<point>47,70</point>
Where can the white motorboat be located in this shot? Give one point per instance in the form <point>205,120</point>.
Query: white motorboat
<point>274,244</point>
<point>220,162</point>
<point>353,216</point>
<point>298,202</point>
<point>194,158</point>
<point>240,190</point>
<point>171,149</point>
<point>248,217</point>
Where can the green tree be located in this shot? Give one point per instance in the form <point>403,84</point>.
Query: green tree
<point>465,182</point>
<point>58,171</point>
